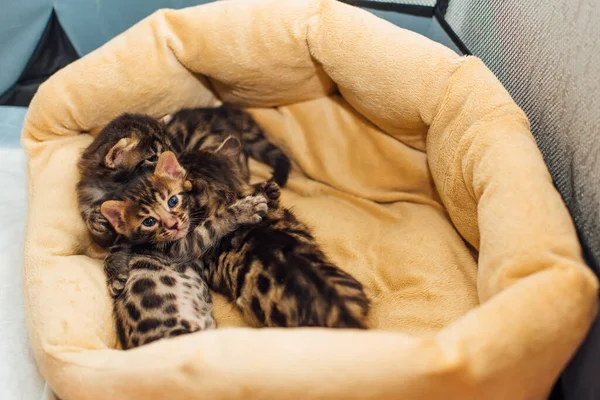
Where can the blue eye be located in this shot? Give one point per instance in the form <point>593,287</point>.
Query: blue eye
<point>173,201</point>
<point>148,222</point>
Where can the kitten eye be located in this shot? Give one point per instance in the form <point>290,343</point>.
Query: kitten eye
<point>153,158</point>
<point>173,201</point>
<point>149,222</point>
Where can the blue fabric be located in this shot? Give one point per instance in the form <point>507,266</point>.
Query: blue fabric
<point>11,121</point>
<point>87,23</point>
<point>411,22</point>
<point>90,24</point>
<point>437,33</point>
<point>426,26</point>
<point>21,25</point>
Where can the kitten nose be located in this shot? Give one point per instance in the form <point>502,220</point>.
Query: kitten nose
<point>174,226</point>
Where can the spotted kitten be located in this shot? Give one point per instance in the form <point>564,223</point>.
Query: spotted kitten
<point>127,147</point>
<point>157,291</point>
<point>274,271</point>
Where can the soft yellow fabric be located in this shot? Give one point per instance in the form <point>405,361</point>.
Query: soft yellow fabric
<point>415,168</point>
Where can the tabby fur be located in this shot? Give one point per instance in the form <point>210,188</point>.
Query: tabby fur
<point>157,293</point>
<point>126,148</point>
<point>161,299</point>
<point>131,143</point>
<point>207,128</point>
<point>274,271</point>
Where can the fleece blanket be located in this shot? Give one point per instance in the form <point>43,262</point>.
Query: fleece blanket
<point>413,165</point>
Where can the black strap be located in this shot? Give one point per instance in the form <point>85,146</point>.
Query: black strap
<point>412,9</point>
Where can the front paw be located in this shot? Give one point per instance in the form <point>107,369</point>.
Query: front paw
<point>98,224</point>
<point>269,189</point>
<point>116,285</point>
<point>272,191</point>
<point>250,209</point>
<point>100,230</point>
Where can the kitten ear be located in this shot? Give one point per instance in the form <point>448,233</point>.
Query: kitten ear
<point>116,154</point>
<point>230,148</point>
<point>114,212</point>
<point>168,166</point>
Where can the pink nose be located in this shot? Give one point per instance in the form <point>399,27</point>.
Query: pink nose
<point>174,225</point>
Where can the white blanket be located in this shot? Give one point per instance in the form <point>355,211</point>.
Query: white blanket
<point>19,377</point>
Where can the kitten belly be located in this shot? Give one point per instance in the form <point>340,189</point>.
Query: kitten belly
<point>161,304</point>
<point>193,299</point>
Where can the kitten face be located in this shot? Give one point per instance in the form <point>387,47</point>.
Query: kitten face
<point>157,209</point>
<point>142,140</point>
<point>163,218</point>
<point>132,151</point>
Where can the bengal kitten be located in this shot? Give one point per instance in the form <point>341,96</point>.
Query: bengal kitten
<point>274,270</point>
<point>157,293</point>
<point>127,147</point>
<point>207,128</point>
<point>131,143</point>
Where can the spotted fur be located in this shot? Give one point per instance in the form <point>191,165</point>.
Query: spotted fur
<point>126,148</point>
<point>158,256</point>
<point>161,299</point>
<point>274,271</point>
<point>129,146</point>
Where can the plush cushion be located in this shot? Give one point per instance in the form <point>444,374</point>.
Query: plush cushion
<point>414,166</point>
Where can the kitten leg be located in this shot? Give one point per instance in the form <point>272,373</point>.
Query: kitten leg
<point>116,269</point>
<point>247,211</point>
<point>270,189</point>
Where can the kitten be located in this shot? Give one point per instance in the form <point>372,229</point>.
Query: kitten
<point>131,143</point>
<point>206,128</point>
<point>156,291</point>
<point>127,147</point>
<point>274,271</point>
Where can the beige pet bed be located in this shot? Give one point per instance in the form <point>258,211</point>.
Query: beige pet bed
<point>415,168</point>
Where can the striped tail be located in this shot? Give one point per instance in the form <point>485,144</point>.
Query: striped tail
<point>351,305</point>
<point>337,300</point>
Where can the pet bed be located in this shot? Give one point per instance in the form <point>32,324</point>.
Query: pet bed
<point>414,166</point>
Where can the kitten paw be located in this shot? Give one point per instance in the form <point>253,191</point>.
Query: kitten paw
<point>269,189</point>
<point>97,223</point>
<point>250,209</point>
<point>117,285</point>
<point>194,326</point>
<point>210,323</point>
<point>272,191</point>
